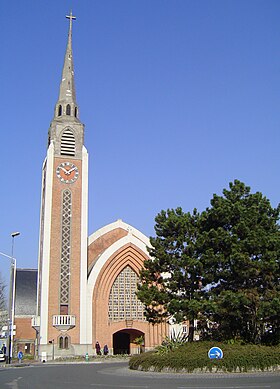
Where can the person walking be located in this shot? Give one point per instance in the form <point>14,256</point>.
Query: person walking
<point>98,348</point>
<point>105,350</point>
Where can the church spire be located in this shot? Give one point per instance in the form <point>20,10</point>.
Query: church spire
<point>66,104</point>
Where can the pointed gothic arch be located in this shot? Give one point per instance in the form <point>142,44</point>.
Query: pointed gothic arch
<point>126,252</point>
<point>116,251</point>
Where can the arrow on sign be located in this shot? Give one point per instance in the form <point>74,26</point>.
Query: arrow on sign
<point>215,353</point>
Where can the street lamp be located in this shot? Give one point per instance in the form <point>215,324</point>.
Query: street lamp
<point>12,300</point>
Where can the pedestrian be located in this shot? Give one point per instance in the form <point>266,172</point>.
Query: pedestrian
<point>98,348</point>
<point>4,349</point>
<point>105,350</point>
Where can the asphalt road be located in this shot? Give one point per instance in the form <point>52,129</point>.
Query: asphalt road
<point>118,376</point>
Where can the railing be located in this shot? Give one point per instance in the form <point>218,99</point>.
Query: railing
<point>64,322</point>
<point>35,322</point>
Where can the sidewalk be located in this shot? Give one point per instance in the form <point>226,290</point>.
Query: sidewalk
<point>95,359</point>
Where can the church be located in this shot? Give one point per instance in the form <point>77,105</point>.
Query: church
<point>85,284</point>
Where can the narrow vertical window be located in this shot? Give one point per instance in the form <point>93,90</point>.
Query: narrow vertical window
<point>66,342</point>
<point>68,109</point>
<point>59,110</point>
<point>76,112</point>
<point>60,342</point>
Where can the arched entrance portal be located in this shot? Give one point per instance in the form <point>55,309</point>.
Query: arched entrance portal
<point>123,341</point>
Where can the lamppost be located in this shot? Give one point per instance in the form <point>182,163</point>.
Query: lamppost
<point>11,308</point>
<point>8,327</point>
<point>12,297</point>
<point>8,318</point>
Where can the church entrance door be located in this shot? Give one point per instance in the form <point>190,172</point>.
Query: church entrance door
<point>121,343</point>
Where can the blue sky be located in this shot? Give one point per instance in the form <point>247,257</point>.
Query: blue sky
<point>178,97</point>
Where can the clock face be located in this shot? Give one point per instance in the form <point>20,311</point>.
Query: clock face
<point>67,172</point>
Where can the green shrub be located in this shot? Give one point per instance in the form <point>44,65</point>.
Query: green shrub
<point>194,356</point>
<point>170,344</point>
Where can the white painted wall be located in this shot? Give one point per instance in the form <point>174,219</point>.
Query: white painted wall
<point>46,248</point>
<point>84,247</point>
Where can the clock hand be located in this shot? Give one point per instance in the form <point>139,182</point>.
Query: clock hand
<point>69,171</point>
<point>65,171</point>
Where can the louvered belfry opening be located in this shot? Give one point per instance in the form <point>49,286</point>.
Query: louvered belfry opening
<point>68,146</point>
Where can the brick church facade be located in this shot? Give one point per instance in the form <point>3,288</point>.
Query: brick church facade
<point>86,284</point>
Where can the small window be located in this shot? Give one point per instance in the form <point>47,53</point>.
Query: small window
<point>68,110</point>
<point>66,342</point>
<point>63,342</point>
<point>185,329</point>
<point>76,112</point>
<point>27,348</point>
<point>59,110</point>
<point>64,309</point>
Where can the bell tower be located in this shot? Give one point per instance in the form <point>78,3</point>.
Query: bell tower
<point>62,267</point>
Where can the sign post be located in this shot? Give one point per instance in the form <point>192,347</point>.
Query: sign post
<point>20,356</point>
<point>215,353</point>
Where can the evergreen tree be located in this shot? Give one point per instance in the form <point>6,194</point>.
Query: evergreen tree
<point>240,250</point>
<point>220,266</point>
<point>171,280</point>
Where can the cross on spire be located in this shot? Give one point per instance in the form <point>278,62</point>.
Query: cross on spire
<point>70,17</point>
<point>67,94</point>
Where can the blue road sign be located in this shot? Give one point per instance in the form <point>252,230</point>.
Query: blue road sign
<point>215,353</point>
<point>20,355</point>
